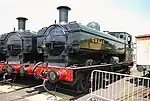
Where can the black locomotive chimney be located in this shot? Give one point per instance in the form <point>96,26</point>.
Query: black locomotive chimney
<point>21,23</point>
<point>63,14</point>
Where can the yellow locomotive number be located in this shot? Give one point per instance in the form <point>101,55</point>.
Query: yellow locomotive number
<point>97,40</point>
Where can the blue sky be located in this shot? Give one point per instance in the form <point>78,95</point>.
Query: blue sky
<point>131,16</point>
<point>140,7</point>
<point>137,10</point>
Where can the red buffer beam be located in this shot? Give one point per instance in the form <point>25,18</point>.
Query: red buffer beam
<point>53,73</point>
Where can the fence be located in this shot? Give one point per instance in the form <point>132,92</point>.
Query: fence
<point>109,86</point>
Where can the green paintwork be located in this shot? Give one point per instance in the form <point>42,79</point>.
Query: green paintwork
<point>84,34</point>
<point>88,44</point>
<point>98,33</point>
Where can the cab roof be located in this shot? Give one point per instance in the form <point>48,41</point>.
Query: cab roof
<point>142,36</point>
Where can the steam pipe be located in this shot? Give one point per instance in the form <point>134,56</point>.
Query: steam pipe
<point>44,86</point>
<point>34,68</point>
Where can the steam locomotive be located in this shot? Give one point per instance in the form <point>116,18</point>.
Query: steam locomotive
<point>18,47</point>
<point>71,51</point>
<point>68,51</point>
<point>2,53</point>
<point>72,43</point>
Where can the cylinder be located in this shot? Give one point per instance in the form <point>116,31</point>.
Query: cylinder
<point>21,23</point>
<point>63,14</point>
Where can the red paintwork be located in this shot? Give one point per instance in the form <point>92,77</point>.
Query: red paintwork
<point>28,68</point>
<point>42,71</point>
<point>16,67</point>
<point>3,66</point>
<point>64,73</point>
<point>143,36</point>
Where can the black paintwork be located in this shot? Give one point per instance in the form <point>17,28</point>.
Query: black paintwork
<point>20,46</point>
<point>71,44</point>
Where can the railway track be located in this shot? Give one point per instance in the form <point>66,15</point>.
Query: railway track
<point>31,92</point>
